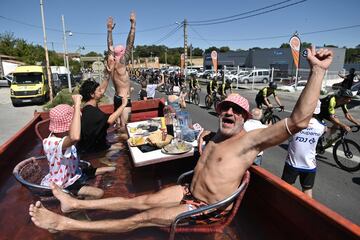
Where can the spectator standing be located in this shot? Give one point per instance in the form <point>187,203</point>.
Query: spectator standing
<point>252,124</point>
<point>301,160</point>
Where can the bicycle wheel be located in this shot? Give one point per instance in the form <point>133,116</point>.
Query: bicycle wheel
<point>208,101</point>
<point>196,98</point>
<point>348,155</point>
<point>190,96</point>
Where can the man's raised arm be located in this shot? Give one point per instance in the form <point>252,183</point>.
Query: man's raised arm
<point>110,26</point>
<point>299,119</point>
<point>131,37</point>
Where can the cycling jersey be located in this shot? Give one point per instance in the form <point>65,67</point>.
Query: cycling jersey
<point>211,86</point>
<point>328,105</point>
<point>223,88</point>
<point>262,94</point>
<point>193,83</point>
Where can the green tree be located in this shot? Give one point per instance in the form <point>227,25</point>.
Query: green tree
<point>224,49</point>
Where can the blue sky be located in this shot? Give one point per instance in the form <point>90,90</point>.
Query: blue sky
<point>87,21</point>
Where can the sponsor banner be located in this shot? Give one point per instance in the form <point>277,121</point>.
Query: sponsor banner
<point>295,44</point>
<point>214,59</point>
<point>182,61</point>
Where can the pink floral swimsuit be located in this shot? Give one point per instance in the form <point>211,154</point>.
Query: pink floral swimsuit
<point>63,168</point>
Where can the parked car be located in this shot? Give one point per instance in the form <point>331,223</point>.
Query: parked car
<point>291,88</point>
<point>190,71</point>
<point>6,81</point>
<point>257,75</point>
<point>204,74</point>
<point>236,76</point>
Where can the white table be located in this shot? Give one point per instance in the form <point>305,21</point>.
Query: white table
<point>142,159</point>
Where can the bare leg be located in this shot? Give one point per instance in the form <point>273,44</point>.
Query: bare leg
<point>308,192</point>
<point>166,197</point>
<point>124,117</point>
<point>161,217</point>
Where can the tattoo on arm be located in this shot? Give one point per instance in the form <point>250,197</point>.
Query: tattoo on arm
<point>110,42</point>
<point>130,43</point>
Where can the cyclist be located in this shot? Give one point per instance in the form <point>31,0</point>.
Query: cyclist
<point>211,87</point>
<point>330,103</point>
<point>193,86</point>
<point>224,87</point>
<point>263,96</point>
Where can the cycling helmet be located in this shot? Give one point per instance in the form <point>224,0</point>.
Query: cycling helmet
<point>228,81</point>
<point>345,93</point>
<point>273,85</point>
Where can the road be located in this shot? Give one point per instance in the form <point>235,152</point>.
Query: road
<point>334,187</point>
<point>13,118</point>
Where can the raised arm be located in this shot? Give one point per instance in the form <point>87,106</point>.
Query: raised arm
<point>75,127</point>
<point>115,115</point>
<point>299,119</point>
<point>130,40</point>
<point>105,82</point>
<point>110,26</point>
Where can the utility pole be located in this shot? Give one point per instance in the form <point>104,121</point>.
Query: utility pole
<point>165,56</point>
<point>66,54</point>
<point>46,51</point>
<point>191,56</point>
<point>185,46</point>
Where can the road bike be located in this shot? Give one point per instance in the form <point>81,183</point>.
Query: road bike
<point>346,152</point>
<point>269,116</point>
<point>212,99</point>
<point>194,96</point>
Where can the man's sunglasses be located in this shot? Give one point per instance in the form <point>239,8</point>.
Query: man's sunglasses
<point>236,109</point>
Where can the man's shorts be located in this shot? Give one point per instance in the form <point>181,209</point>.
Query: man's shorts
<point>118,102</point>
<point>202,218</point>
<point>307,178</point>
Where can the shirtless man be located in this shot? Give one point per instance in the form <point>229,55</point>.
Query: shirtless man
<point>117,60</point>
<point>214,175</point>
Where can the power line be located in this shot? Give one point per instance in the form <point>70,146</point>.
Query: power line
<point>252,15</point>
<point>201,37</point>
<point>169,34</point>
<point>240,14</point>
<point>28,24</point>
<point>283,36</point>
<point>84,33</point>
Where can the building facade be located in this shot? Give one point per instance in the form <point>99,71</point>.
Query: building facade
<point>278,58</point>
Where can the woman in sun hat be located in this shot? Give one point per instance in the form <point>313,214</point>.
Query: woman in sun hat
<point>61,153</point>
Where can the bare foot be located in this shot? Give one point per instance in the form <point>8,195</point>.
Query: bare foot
<point>102,170</point>
<point>44,218</point>
<point>68,203</point>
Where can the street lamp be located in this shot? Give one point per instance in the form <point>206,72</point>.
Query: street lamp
<point>66,57</point>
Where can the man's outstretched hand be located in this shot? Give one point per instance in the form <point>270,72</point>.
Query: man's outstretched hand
<point>132,17</point>
<point>110,24</point>
<point>321,58</point>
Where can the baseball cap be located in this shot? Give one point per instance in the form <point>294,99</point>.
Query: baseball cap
<point>238,100</point>
<point>60,118</point>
